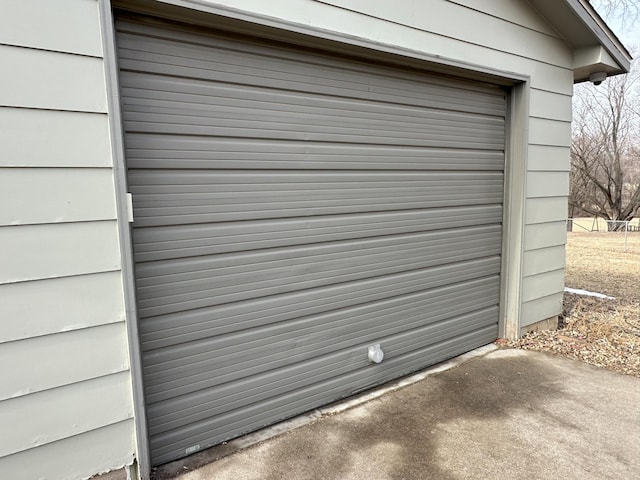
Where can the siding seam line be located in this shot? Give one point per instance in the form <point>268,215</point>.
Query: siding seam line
<point>76,329</point>
<point>41,49</point>
<point>544,272</point>
<point>26,107</point>
<point>60,333</point>
<point>68,222</point>
<point>546,246</point>
<point>543,248</point>
<point>538,89</point>
<point>549,119</point>
<point>541,298</point>
<point>68,437</point>
<point>66,384</point>
<point>450,38</point>
<point>119,269</point>
<point>506,20</point>
<point>533,144</point>
<point>64,276</point>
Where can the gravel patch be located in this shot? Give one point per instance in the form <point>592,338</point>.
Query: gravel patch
<point>600,332</point>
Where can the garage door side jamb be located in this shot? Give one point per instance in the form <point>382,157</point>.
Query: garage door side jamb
<point>124,231</point>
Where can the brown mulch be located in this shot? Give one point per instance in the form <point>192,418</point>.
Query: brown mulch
<point>600,332</point>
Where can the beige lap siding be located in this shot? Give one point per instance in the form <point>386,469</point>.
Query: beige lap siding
<point>66,389</point>
<point>61,283</point>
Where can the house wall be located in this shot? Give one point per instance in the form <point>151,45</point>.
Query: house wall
<point>502,35</point>
<point>66,390</point>
<point>65,396</point>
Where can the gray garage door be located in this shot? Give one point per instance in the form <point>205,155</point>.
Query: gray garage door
<point>293,207</point>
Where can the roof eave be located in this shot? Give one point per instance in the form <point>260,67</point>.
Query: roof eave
<point>614,59</point>
<point>596,49</point>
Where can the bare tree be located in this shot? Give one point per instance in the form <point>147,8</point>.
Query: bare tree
<point>605,152</point>
<point>627,12</point>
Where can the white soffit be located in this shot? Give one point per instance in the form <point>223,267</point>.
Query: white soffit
<point>596,47</point>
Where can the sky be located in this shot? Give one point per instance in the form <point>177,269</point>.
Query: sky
<point>629,34</point>
<point>629,37</point>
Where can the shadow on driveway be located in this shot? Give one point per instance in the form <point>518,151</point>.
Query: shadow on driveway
<point>509,414</point>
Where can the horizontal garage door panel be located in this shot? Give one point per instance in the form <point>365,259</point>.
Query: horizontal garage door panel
<point>397,125</point>
<point>258,119</point>
<point>274,346</point>
<point>183,327</point>
<point>203,196</point>
<point>247,63</point>
<point>389,124</point>
<point>170,286</point>
<point>179,241</point>
<point>293,207</point>
<point>242,393</point>
<point>193,152</point>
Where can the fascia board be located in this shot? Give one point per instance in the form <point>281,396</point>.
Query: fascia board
<point>590,18</point>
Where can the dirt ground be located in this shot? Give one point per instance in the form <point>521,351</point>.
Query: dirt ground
<point>601,332</point>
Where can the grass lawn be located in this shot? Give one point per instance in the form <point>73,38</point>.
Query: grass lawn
<point>598,261</point>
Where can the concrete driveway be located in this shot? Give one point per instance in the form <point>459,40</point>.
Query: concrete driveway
<point>505,414</point>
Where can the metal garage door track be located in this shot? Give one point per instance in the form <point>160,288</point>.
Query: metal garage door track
<point>507,414</point>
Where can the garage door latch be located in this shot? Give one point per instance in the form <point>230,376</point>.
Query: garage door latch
<point>130,208</point>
